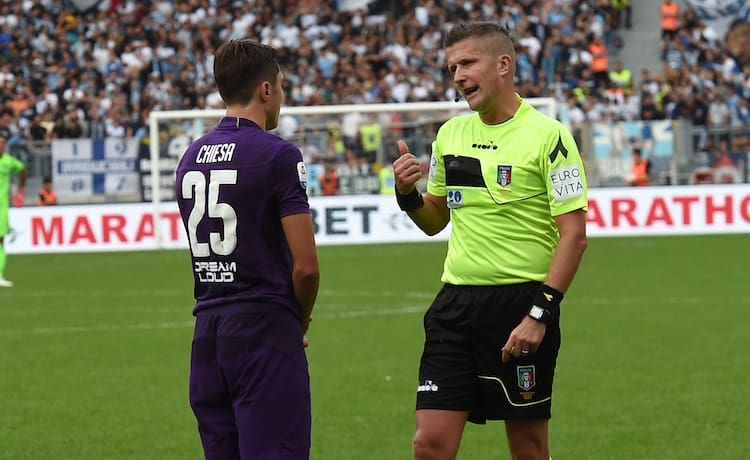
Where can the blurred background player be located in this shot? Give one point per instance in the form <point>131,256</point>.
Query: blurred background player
<point>47,196</point>
<point>241,194</point>
<point>9,165</point>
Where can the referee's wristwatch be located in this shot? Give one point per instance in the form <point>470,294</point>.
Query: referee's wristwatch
<point>540,314</point>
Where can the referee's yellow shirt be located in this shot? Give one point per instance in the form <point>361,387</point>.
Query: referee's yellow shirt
<point>504,184</point>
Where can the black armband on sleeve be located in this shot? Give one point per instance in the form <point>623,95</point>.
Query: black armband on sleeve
<point>410,202</point>
<point>546,304</point>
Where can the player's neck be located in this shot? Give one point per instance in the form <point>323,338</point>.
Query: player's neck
<point>254,114</point>
<point>504,110</point>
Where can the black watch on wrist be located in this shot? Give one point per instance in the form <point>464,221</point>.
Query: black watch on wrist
<point>540,314</point>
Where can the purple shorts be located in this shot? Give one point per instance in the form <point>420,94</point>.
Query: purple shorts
<point>250,387</point>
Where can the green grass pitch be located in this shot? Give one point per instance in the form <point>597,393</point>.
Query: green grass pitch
<point>94,354</point>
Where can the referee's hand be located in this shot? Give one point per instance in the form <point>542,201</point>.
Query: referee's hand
<point>524,340</point>
<point>406,169</point>
<point>305,328</point>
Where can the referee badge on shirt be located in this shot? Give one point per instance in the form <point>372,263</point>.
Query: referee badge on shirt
<point>503,175</point>
<point>526,377</point>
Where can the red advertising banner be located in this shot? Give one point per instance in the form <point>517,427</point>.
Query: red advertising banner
<point>363,219</point>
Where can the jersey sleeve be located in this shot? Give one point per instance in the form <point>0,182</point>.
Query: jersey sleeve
<point>289,182</point>
<point>16,165</point>
<point>564,173</point>
<point>436,174</point>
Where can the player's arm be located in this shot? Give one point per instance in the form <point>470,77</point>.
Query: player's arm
<point>433,216</point>
<point>567,256</point>
<point>568,209</point>
<point>528,335</point>
<point>429,212</point>
<point>18,197</point>
<point>22,178</point>
<point>566,189</point>
<point>571,226</point>
<point>300,236</point>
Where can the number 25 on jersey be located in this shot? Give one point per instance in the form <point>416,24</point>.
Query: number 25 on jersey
<point>194,187</point>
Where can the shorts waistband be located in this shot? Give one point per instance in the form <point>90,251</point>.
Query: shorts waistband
<point>493,287</point>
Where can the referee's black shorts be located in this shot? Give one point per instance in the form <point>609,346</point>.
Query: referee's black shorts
<point>461,366</point>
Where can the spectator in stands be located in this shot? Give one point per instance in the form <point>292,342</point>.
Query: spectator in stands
<point>674,53</point>
<point>726,171</point>
<point>47,196</point>
<point>599,62</point>
<point>116,125</point>
<point>718,112</point>
<point>336,143</point>
<point>640,170</point>
<point>370,137</point>
<point>572,115</point>
<point>69,127</point>
<point>740,112</point>
<point>133,57</point>
<point>97,128</point>
<point>315,171</point>
<point>704,154</point>
<point>37,132</point>
<point>310,152</point>
<point>623,8</point>
<point>622,77</point>
<point>20,102</point>
<point>670,20</point>
<point>387,180</point>
<point>615,99</point>
<point>649,109</point>
<point>7,130</point>
<point>329,181</point>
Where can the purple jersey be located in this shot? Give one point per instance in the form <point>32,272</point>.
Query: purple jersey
<point>234,185</point>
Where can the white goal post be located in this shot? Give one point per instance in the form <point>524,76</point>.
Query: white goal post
<point>170,132</point>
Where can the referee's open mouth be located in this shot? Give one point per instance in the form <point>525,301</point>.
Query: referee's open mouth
<point>471,90</point>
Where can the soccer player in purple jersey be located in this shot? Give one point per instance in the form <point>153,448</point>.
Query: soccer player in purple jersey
<point>241,194</point>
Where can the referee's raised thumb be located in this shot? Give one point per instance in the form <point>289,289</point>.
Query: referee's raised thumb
<point>403,149</point>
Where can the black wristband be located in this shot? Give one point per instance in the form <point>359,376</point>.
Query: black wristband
<point>546,304</point>
<point>410,202</point>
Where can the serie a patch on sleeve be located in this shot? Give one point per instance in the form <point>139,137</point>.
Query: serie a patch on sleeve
<point>302,174</point>
<point>433,168</point>
<point>566,182</point>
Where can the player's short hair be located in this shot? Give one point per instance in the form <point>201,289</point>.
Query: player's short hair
<point>240,66</point>
<point>482,30</point>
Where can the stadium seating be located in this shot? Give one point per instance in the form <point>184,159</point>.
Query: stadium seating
<point>67,73</point>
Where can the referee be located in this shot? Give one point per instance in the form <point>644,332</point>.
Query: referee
<point>511,182</point>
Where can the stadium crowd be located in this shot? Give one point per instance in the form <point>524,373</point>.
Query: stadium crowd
<point>65,73</point>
